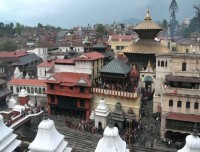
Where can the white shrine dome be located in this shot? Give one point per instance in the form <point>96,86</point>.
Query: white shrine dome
<point>102,109</point>
<point>48,139</point>
<point>12,102</point>
<point>192,142</point>
<point>92,116</point>
<point>111,141</point>
<point>23,93</point>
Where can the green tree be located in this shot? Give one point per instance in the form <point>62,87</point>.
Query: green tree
<point>18,28</point>
<point>40,25</point>
<point>193,27</point>
<point>164,24</point>
<point>101,31</point>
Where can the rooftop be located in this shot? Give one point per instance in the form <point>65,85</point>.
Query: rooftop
<point>27,82</point>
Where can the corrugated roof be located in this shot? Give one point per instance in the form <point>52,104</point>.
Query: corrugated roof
<point>146,46</point>
<point>26,59</point>
<point>116,66</point>
<point>188,41</point>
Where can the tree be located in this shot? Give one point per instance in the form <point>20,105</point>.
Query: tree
<point>164,24</point>
<point>101,31</point>
<point>193,27</point>
<point>197,8</point>
<point>40,25</point>
<point>122,26</point>
<point>18,28</point>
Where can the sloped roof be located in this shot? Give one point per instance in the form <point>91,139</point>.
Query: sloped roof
<point>146,46</point>
<point>122,37</point>
<point>116,66</point>
<point>26,59</point>
<point>27,82</point>
<point>46,64</point>
<point>90,56</point>
<point>188,41</point>
<point>147,24</point>
<point>99,45</point>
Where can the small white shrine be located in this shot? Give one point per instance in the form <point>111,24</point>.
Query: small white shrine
<point>48,139</point>
<point>192,142</point>
<point>111,141</point>
<point>12,102</point>
<point>102,113</point>
<point>8,141</point>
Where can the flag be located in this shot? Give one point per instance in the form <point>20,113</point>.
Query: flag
<point>175,92</point>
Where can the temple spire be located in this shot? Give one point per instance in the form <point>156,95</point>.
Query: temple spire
<point>149,64</point>
<point>195,130</point>
<point>148,16</point>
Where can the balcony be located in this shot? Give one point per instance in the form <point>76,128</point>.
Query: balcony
<point>181,91</point>
<point>132,95</point>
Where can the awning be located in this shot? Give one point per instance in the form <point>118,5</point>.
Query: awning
<point>183,117</point>
<point>148,79</point>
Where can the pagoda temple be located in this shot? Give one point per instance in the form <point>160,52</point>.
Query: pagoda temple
<point>146,47</point>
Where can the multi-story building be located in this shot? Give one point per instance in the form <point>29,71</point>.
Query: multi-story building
<point>177,93</point>
<point>69,94</point>
<point>89,63</point>
<point>119,42</point>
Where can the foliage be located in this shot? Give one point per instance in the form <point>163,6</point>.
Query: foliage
<point>101,31</point>
<point>164,24</point>
<point>193,27</point>
<point>8,46</point>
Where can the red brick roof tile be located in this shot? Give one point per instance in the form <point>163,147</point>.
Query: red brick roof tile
<point>121,37</point>
<point>27,82</point>
<point>69,61</point>
<point>46,64</point>
<point>90,56</point>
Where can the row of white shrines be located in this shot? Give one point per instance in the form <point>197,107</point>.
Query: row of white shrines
<point>48,139</point>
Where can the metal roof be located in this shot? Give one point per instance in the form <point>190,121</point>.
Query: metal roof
<point>116,66</point>
<point>26,59</point>
<point>146,46</point>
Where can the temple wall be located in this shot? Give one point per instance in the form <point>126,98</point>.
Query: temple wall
<point>111,101</point>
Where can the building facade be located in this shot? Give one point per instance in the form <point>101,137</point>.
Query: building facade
<point>69,94</point>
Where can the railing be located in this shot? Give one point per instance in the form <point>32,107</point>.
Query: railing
<point>116,93</point>
<point>186,73</point>
<point>181,91</point>
<point>19,119</point>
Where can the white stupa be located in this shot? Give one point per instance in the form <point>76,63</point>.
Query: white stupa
<point>192,142</point>
<point>48,139</point>
<point>101,113</point>
<point>12,102</point>
<point>111,141</point>
<point>17,73</point>
<point>8,141</point>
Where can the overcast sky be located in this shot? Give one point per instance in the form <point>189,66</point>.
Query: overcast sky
<point>69,13</point>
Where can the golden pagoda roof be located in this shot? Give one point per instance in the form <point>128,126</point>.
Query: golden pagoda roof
<point>147,24</point>
<point>146,46</point>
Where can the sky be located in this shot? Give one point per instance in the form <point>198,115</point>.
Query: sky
<point>70,13</point>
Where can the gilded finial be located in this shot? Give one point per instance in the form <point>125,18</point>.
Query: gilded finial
<point>148,16</point>
<point>149,64</point>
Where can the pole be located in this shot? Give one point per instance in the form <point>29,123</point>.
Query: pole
<point>129,133</point>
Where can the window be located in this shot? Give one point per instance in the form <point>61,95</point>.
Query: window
<point>28,89</point>
<point>61,87</point>
<point>82,103</point>
<point>179,104</point>
<point>52,99</point>
<point>117,47</point>
<point>82,89</point>
<point>43,90</point>
<point>35,90</point>
<point>45,72</point>
<point>17,89</point>
<point>196,105</point>
<point>188,104</point>
<point>186,51</point>
<point>171,103</point>
<point>71,88</point>
<point>52,86</point>
<point>162,63</point>
<point>165,63</point>
<point>11,88</point>
<point>32,91</point>
<point>40,90</point>
<point>158,63</point>
<point>183,66</point>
